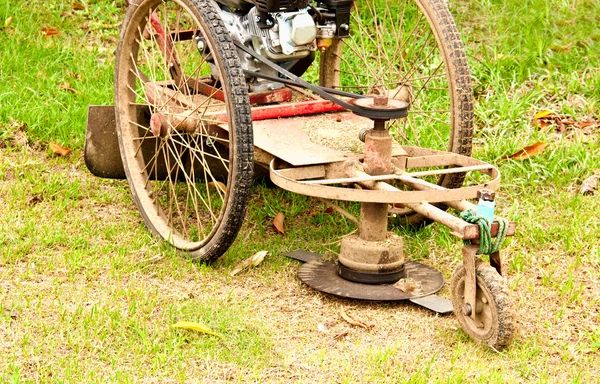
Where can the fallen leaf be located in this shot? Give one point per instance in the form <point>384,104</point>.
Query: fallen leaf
<point>408,285</point>
<point>338,336</point>
<point>527,152</point>
<point>49,31</point>
<point>353,320</point>
<point>67,87</point>
<point>7,22</point>
<point>543,113</point>
<point>539,123</point>
<point>33,200</point>
<point>219,185</point>
<point>252,261</point>
<point>278,223</point>
<point>590,185</point>
<point>196,327</point>
<point>584,124</point>
<point>78,6</point>
<point>327,211</point>
<point>57,149</point>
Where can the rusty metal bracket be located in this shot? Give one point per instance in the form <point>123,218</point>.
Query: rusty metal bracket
<point>496,262</point>
<point>470,292</point>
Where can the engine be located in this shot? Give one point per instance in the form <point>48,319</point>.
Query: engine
<point>266,5</point>
<point>283,31</point>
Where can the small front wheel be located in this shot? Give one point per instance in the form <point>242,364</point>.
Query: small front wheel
<point>492,322</point>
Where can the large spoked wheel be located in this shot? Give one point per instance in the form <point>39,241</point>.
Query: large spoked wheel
<point>492,322</point>
<point>409,50</point>
<point>184,125</point>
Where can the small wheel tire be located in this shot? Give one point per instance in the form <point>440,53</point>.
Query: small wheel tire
<point>493,321</point>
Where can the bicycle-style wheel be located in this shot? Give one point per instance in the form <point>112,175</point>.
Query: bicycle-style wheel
<point>409,50</point>
<point>184,124</point>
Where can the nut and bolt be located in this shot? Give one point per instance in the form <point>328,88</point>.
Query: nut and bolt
<point>467,310</point>
<point>362,135</point>
<point>380,101</point>
<point>486,194</point>
<point>344,27</point>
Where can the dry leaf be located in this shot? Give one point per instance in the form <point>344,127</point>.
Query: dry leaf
<point>353,320</point>
<point>252,261</point>
<point>278,223</point>
<point>48,31</point>
<point>78,6</point>
<point>33,200</point>
<point>543,113</point>
<point>527,152</point>
<point>327,211</point>
<point>196,327</point>
<point>7,22</point>
<point>218,184</point>
<point>67,87</point>
<point>408,285</point>
<point>584,124</point>
<point>590,185</point>
<point>344,333</point>
<point>57,149</point>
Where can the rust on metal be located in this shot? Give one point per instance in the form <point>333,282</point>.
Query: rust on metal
<point>323,276</point>
<point>364,255</point>
<point>470,292</point>
<point>495,259</point>
<point>378,153</point>
<point>380,103</point>
<point>101,150</point>
<point>289,182</point>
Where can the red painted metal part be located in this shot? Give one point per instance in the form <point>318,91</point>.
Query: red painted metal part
<point>269,97</point>
<point>259,98</point>
<point>208,90</point>
<point>301,108</point>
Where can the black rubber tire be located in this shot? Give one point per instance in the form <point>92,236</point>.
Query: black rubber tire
<point>458,77</point>
<point>208,235</point>
<point>493,301</point>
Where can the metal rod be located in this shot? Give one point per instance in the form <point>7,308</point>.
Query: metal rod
<point>450,170</point>
<point>421,185</point>
<point>401,177</point>
<point>339,210</point>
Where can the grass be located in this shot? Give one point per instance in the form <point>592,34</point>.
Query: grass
<point>88,295</point>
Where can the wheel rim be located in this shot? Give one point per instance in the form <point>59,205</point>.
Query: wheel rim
<point>409,50</point>
<point>393,50</point>
<point>178,161</point>
<point>483,324</point>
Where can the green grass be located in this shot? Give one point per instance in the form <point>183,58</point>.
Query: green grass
<point>88,295</point>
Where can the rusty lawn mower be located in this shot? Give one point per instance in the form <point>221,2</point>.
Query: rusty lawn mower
<point>208,92</point>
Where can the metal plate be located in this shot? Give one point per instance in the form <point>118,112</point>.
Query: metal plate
<point>303,256</point>
<point>323,276</point>
<point>288,140</point>
<point>435,303</point>
<point>101,150</point>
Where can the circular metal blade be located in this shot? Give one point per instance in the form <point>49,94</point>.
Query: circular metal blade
<point>419,281</point>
